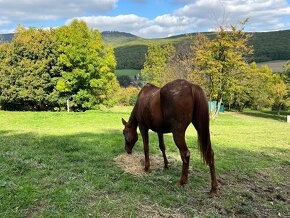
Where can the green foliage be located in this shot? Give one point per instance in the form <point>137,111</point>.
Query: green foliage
<point>125,80</point>
<point>28,70</point>
<point>88,67</point>
<point>280,94</point>
<point>40,69</point>
<point>130,57</point>
<point>115,38</point>
<point>130,50</point>
<point>222,59</point>
<point>286,72</point>
<point>267,46</point>
<point>156,64</point>
<point>270,46</point>
<point>127,96</point>
<point>253,89</point>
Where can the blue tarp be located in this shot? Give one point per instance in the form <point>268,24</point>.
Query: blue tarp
<point>212,106</point>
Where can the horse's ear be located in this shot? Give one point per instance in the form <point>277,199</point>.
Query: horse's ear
<point>124,122</point>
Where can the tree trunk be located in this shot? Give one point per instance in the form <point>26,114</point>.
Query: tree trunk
<point>67,104</point>
<point>279,109</point>
<point>218,108</point>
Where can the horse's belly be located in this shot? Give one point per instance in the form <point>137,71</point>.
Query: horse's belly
<point>161,128</point>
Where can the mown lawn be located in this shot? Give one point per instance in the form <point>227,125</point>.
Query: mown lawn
<point>62,165</point>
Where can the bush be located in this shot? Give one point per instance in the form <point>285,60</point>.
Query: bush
<point>127,96</point>
<point>125,80</point>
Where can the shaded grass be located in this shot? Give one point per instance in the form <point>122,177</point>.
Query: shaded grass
<point>268,114</point>
<point>62,164</point>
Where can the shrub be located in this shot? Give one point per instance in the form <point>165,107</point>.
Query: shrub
<point>127,96</point>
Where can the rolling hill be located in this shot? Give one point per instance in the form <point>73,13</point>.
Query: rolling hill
<point>130,54</point>
<point>130,50</point>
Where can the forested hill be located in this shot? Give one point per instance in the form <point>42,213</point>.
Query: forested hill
<point>6,37</point>
<point>270,46</point>
<point>116,38</point>
<point>130,50</point>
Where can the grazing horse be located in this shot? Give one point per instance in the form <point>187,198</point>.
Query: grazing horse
<point>171,109</point>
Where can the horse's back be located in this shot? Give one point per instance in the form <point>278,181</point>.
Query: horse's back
<point>168,108</point>
<point>177,103</point>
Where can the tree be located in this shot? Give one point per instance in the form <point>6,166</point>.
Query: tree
<point>181,67</point>
<point>280,93</point>
<point>261,80</point>
<point>156,68</point>
<point>286,72</point>
<point>87,66</point>
<point>222,59</point>
<point>27,73</point>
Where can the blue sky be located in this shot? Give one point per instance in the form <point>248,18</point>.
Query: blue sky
<point>146,18</point>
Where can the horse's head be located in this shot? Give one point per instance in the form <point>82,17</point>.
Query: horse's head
<point>130,135</point>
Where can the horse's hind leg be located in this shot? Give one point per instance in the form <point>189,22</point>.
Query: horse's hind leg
<point>214,183</point>
<point>179,139</point>
<point>162,148</point>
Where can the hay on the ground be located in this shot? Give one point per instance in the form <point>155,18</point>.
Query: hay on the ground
<point>134,163</point>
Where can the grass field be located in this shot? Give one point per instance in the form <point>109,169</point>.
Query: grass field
<point>127,72</point>
<point>62,165</point>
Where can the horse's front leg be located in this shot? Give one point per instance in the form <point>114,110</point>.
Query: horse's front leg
<point>145,137</point>
<point>162,148</point>
<point>179,139</point>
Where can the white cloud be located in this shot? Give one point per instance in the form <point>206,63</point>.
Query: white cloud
<point>263,14</point>
<point>126,23</point>
<point>169,20</point>
<point>4,22</point>
<point>161,26</point>
<point>31,10</point>
<point>199,15</point>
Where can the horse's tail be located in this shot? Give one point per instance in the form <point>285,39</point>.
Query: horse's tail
<point>201,124</point>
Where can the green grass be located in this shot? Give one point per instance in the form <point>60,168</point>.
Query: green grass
<point>127,72</point>
<point>62,165</point>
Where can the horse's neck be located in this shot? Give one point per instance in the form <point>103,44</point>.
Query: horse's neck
<point>133,120</point>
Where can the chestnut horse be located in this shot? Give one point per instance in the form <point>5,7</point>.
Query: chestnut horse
<point>171,109</point>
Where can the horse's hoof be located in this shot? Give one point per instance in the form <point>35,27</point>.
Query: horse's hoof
<point>213,193</point>
<point>182,183</point>
<point>166,167</point>
<point>146,169</point>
